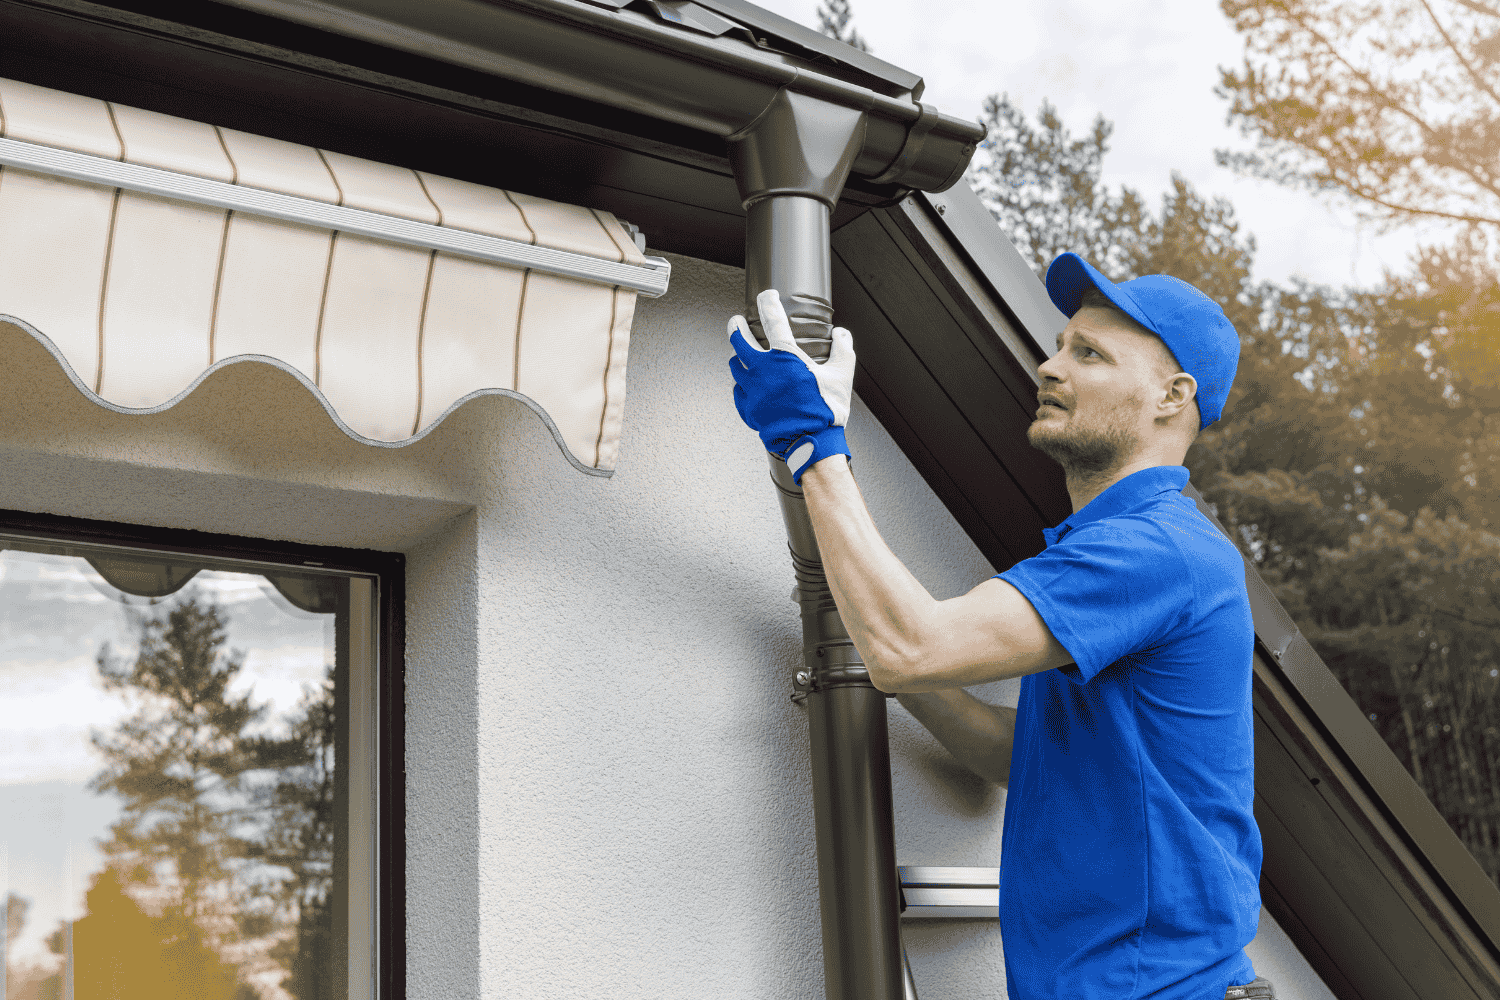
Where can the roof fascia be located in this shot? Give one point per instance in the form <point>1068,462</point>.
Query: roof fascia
<point>626,59</point>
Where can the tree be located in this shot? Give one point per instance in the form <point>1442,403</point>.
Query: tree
<point>1394,103</point>
<point>300,839</point>
<point>833,20</point>
<point>179,762</point>
<point>1042,186</point>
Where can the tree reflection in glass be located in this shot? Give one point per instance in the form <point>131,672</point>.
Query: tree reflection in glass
<point>169,800</point>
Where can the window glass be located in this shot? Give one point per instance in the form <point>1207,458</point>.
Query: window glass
<point>183,749</point>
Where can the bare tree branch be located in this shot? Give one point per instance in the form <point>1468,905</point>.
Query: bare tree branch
<point>1382,100</point>
<point>1453,47</point>
<point>1479,8</point>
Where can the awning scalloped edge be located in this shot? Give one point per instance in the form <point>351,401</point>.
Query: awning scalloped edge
<point>310,386</point>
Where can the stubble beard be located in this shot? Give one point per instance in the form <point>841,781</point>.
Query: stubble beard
<point>1084,452</point>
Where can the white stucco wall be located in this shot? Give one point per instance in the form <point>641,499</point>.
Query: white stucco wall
<point>607,783</point>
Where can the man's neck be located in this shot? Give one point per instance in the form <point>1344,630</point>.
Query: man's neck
<point>1084,487</point>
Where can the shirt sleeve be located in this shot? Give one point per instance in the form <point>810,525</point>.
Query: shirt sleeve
<point>1106,590</point>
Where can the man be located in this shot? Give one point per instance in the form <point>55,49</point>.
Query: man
<point>1130,858</point>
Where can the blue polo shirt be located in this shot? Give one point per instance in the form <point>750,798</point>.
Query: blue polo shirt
<point>1130,860</point>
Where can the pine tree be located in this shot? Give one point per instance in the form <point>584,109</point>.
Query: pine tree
<point>1043,187</point>
<point>226,833</point>
<point>833,20</point>
<point>179,764</point>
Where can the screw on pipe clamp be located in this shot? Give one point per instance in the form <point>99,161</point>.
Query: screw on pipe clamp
<point>801,687</point>
<point>831,665</point>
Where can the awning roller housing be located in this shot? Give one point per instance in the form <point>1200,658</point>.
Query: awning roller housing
<point>140,294</point>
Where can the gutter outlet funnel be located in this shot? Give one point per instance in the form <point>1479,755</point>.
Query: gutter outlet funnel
<point>799,145</point>
<point>790,166</point>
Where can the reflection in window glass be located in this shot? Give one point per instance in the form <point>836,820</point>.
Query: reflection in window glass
<point>173,810</point>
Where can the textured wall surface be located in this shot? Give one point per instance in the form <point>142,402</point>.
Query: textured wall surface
<point>607,783</point>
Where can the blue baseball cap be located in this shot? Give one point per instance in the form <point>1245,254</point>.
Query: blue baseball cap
<point>1190,323</point>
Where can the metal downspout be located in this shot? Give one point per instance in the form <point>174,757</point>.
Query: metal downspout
<point>791,165</point>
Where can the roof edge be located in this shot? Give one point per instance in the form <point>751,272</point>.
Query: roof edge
<point>628,60</point>
<point>830,48</point>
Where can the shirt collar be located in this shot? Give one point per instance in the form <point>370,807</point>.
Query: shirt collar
<point>1121,496</point>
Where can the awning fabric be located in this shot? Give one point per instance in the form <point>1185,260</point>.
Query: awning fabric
<point>141,296</point>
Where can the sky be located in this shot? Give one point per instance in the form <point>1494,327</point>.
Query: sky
<point>1153,76</point>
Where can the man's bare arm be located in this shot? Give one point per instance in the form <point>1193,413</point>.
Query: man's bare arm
<point>909,641</point>
<point>978,734</point>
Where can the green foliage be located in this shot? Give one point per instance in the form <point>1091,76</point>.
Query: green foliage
<point>1405,613</point>
<point>1042,186</point>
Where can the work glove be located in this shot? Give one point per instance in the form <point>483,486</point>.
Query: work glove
<point>797,406</point>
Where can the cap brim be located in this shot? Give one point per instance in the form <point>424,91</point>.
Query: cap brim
<point>1069,276</point>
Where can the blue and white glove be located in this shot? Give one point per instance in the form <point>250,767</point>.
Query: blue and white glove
<point>797,406</point>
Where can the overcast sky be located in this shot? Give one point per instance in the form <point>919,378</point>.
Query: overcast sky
<point>1153,75</point>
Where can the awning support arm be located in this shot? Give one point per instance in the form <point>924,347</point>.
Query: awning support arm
<point>650,280</point>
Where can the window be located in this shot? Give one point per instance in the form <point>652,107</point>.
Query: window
<point>192,789</point>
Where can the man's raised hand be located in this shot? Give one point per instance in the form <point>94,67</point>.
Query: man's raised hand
<point>797,406</point>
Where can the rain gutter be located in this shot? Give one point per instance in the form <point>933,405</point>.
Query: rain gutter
<point>648,65</point>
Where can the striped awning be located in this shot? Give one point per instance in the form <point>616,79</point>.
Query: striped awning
<point>146,251</point>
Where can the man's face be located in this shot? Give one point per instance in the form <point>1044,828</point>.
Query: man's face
<point>1101,377</point>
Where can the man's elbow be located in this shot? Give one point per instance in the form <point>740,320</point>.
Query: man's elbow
<point>893,670</point>
<point>887,678</point>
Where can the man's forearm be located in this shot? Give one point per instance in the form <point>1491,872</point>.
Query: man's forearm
<point>978,734</point>
<point>879,599</point>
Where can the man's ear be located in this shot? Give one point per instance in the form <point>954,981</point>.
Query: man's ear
<point>1181,387</point>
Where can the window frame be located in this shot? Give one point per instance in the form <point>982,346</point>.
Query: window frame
<point>389,569</point>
